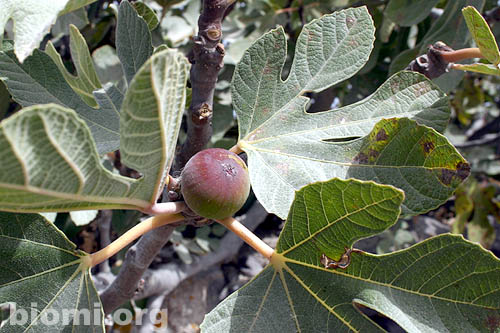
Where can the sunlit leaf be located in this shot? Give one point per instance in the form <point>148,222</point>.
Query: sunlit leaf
<point>147,14</point>
<point>48,160</point>
<point>489,69</point>
<point>443,284</point>
<point>288,148</point>
<point>32,20</point>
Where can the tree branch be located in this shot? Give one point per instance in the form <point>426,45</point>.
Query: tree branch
<point>206,58</point>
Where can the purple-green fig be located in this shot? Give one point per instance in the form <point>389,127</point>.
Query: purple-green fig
<point>215,183</point>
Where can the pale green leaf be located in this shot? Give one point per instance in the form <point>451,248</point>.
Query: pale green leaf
<point>39,81</point>
<point>133,40</point>
<point>489,69</point>
<point>86,80</point>
<point>480,31</point>
<point>444,284</point>
<point>288,148</point>
<point>83,217</point>
<point>291,150</point>
<point>32,20</point>
<point>409,12</point>
<point>151,117</point>
<point>147,14</point>
<point>48,162</point>
<point>43,274</point>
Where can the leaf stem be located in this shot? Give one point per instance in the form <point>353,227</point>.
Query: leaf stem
<point>248,237</point>
<point>132,234</point>
<point>165,208</point>
<point>462,54</point>
<point>236,149</point>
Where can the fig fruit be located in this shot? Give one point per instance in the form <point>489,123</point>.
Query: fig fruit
<point>215,183</point>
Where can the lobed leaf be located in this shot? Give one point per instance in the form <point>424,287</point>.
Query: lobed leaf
<point>44,275</point>
<point>86,80</point>
<point>48,160</point>
<point>39,81</point>
<point>480,31</point>
<point>444,284</point>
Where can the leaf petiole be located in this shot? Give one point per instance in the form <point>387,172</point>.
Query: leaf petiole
<point>247,236</point>
<point>462,54</point>
<point>132,234</point>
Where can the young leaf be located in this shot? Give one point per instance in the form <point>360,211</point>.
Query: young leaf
<point>32,20</point>
<point>45,277</point>
<point>480,31</point>
<point>288,148</point>
<point>133,40</point>
<point>444,284</point>
<point>151,117</point>
<point>86,81</point>
<point>39,81</point>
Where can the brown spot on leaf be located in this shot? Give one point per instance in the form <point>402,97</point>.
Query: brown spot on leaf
<point>428,146</point>
<point>493,323</point>
<point>463,170</point>
<point>446,176</point>
<point>373,153</point>
<point>381,135</point>
<point>361,158</point>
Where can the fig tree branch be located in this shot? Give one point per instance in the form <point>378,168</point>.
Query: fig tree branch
<point>206,58</point>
